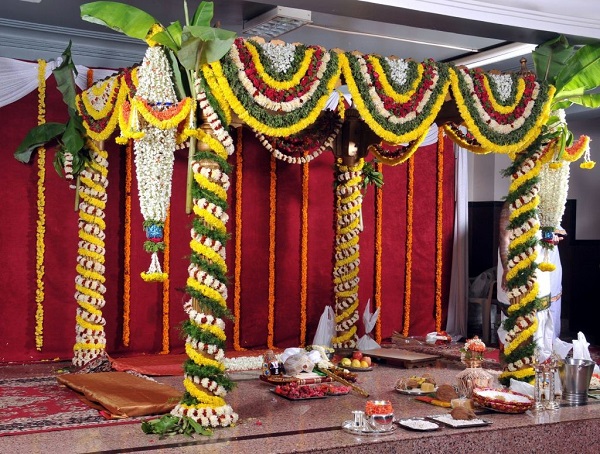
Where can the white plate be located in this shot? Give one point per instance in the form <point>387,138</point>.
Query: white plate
<point>420,424</point>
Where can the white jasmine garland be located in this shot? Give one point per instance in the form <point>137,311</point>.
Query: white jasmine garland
<point>504,83</point>
<point>398,70</point>
<point>280,56</point>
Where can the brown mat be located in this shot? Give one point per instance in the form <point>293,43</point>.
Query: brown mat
<point>122,395</point>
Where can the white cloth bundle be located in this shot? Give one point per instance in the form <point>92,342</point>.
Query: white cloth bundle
<point>366,342</point>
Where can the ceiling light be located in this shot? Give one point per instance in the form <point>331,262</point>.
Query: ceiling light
<point>276,22</point>
<point>501,53</point>
<point>32,1</point>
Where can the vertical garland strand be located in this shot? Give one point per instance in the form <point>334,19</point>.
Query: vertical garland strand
<point>41,221</point>
<point>409,246</point>
<point>237,284</point>
<point>439,230</point>
<point>166,284</point>
<point>127,245</point>
<point>378,251</point>
<point>272,226</point>
<point>304,255</point>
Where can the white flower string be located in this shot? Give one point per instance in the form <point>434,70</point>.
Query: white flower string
<point>154,155</point>
<point>504,84</point>
<point>280,56</point>
<point>398,70</point>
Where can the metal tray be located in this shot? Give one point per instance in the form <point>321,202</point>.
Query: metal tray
<point>447,420</point>
<point>412,424</point>
<point>348,426</point>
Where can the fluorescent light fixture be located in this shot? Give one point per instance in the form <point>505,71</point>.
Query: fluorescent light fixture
<point>32,1</point>
<point>501,53</point>
<point>277,21</point>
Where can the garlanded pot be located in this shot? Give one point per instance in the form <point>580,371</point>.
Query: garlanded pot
<point>474,376</point>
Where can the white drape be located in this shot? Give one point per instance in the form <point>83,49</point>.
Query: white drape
<point>456,324</point>
<point>19,78</point>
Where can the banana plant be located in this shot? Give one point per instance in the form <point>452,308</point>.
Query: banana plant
<point>188,46</point>
<point>69,136</point>
<point>575,73</point>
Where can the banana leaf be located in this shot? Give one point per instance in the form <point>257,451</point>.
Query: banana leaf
<point>583,71</point>
<point>589,100</point>
<point>204,14</point>
<point>551,57</point>
<point>36,137</point>
<point>170,37</point>
<point>203,45</point>
<point>123,18</point>
<point>65,80</point>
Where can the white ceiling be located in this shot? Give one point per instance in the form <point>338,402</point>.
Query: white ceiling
<point>440,29</point>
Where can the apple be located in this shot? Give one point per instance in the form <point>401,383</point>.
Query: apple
<point>346,362</point>
<point>356,363</point>
<point>367,359</point>
<point>357,355</point>
<point>364,364</point>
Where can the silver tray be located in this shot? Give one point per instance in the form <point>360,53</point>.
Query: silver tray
<point>447,420</point>
<point>348,426</point>
<point>409,423</point>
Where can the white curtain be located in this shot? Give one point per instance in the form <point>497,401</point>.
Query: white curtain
<point>456,325</point>
<point>19,78</point>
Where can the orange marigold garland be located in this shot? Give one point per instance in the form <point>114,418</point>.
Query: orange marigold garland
<point>41,221</point>
<point>378,250</point>
<point>272,227</point>
<point>409,246</point>
<point>127,245</point>
<point>439,230</point>
<point>237,284</point>
<point>166,284</point>
<point>304,255</point>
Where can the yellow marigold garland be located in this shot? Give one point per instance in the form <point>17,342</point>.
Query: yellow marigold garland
<point>237,273</point>
<point>272,227</point>
<point>304,254</point>
<point>409,246</point>
<point>163,119</point>
<point>127,245</point>
<point>387,88</point>
<point>41,221</point>
<point>439,224</point>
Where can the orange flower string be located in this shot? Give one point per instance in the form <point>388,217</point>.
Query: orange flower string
<point>237,284</point>
<point>439,221</point>
<point>40,247</point>
<point>378,251</point>
<point>272,224</point>
<point>127,245</point>
<point>90,77</point>
<point>304,255</point>
<point>409,245</point>
<point>166,284</point>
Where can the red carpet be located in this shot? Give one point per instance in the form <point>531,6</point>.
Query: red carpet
<point>40,404</point>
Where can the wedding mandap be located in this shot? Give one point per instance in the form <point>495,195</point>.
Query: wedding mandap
<point>253,191</point>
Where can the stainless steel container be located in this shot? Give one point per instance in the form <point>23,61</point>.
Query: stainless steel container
<point>575,376</point>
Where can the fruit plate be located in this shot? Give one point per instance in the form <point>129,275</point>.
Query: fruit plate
<point>415,391</point>
<point>298,398</point>
<point>348,426</point>
<point>449,421</point>
<point>355,369</point>
<point>418,424</point>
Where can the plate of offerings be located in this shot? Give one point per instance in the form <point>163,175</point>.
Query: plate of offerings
<point>448,420</point>
<point>294,391</point>
<point>419,424</point>
<point>350,427</point>
<point>416,385</point>
<point>504,401</point>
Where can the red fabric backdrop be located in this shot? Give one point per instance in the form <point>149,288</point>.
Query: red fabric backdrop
<point>18,248</point>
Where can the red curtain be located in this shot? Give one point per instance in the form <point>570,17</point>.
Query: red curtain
<point>18,248</point>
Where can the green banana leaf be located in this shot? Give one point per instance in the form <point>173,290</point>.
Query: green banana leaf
<point>65,80</point>
<point>589,100</point>
<point>204,14</point>
<point>582,72</point>
<point>178,76</point>
<point>123,18</point>
<point>551,57</point>
<point>203,45</point>
<point>170,37</point>
<point>36,137</point>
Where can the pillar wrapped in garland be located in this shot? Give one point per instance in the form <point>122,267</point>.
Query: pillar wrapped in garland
<point>346,267</point>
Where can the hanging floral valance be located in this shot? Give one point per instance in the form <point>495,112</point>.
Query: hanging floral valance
<point>398,99</point>
<point>275,89</point>
<point>503,113</point>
